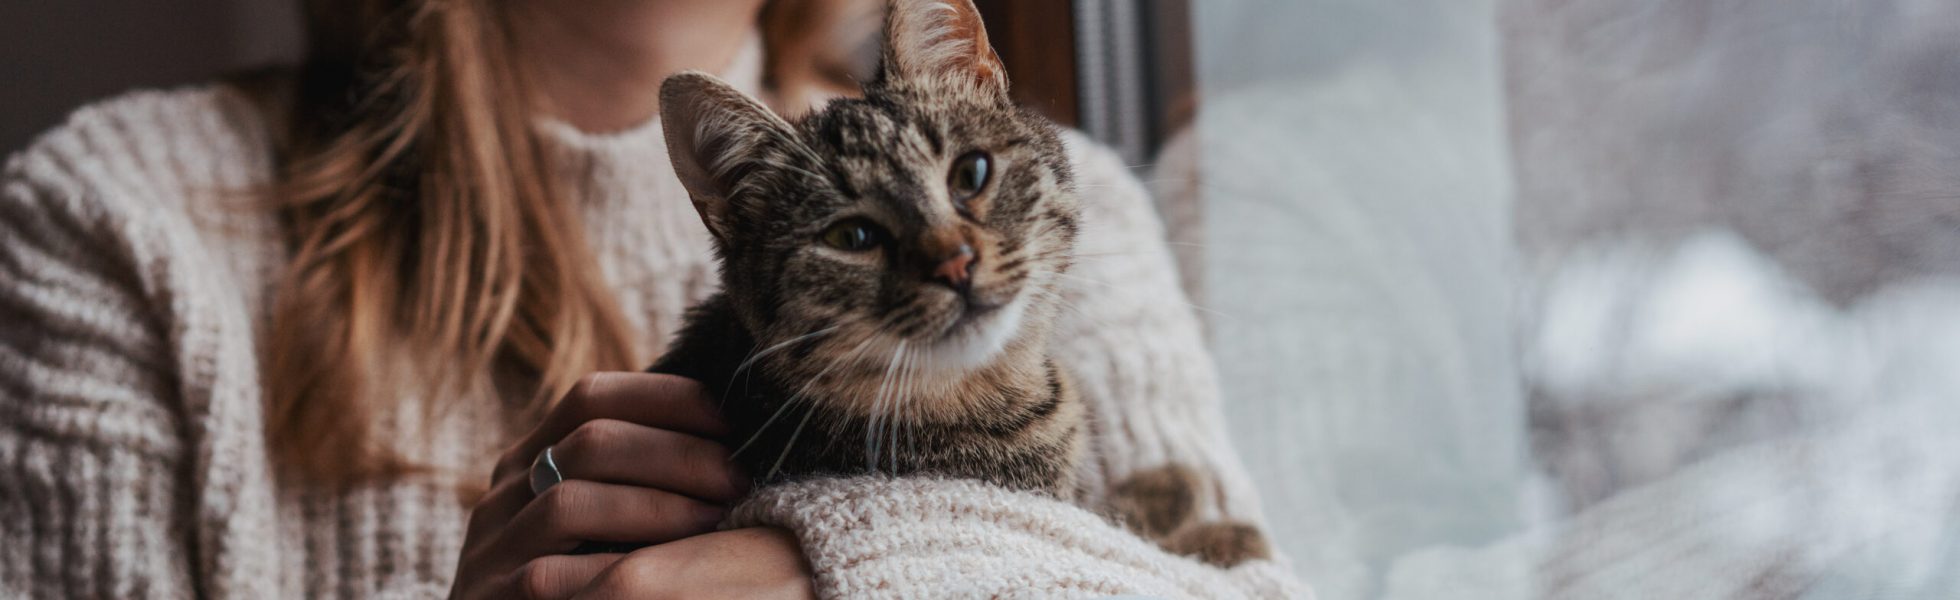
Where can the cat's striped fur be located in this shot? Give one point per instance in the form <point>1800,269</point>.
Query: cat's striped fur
<point>923,353</point>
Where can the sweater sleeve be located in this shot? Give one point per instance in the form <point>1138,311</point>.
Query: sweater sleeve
<point>129,426</point>
<point>1131,342</point>
<point>875,537</point>
<point>90,438</point>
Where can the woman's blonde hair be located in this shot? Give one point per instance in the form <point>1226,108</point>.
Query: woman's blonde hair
<point>429,243</point>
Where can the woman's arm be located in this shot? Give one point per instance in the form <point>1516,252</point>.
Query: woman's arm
<point>1138,358</point>
<point>91,438</point>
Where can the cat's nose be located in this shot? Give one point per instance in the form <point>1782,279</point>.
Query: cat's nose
<point>955,268</point>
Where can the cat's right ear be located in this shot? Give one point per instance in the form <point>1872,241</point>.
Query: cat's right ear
<point>714,134</point>
<point>941,44</point>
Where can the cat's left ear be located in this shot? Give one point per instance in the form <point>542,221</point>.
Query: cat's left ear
<point>941,43</point>
<point>715,134</point>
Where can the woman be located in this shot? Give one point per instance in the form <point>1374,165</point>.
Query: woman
<point>473,238</point>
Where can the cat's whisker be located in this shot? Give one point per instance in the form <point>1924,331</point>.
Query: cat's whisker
<point>911,429</point>
<point>913,369</point>
<point>1211,312</point>
<point>765,427</point>
<point>792,400</point>
<point>900,397</point>
<point>1146,182</point>
<point>890,416</point>
<point>1187,304</point>
<point>1095,255</point>
<point>854,355</point>
<point>804,393</point>
<point>877,408</point>
<point>755,356</point>
<point>1083,314</point>
<point>1093,320</point>
<point>789,444</point>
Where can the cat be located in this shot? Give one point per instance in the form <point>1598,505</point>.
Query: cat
<point>889,269</point>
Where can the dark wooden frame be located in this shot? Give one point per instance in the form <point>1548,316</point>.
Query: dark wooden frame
<point>1039,43</point>
<point>1173,76</point>
<point>1036,40</point>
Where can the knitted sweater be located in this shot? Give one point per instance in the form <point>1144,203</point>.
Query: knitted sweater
<point>135,274</point>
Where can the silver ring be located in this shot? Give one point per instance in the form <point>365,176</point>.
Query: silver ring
<point>544,472</point>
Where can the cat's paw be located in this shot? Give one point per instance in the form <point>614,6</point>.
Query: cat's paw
<point>1156,502</point>
<point>1220,543</point>
<point>1161,504</point>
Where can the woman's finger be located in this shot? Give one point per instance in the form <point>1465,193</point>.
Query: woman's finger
<point>560,576</point>
<point>506,497</point>
<point>740,563</point>
<point>613,451</point>
<point>578,511</point>
<point>650,399</point>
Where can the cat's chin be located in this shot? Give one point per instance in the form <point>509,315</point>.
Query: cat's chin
<point>976,340</point>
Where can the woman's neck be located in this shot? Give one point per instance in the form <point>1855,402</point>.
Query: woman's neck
<point>598,64</point>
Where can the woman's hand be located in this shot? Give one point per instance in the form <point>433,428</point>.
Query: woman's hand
<point>759,562</point>
<point>640,465</point>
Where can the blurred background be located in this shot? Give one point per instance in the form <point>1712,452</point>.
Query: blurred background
<point>54,56</point>
<point>1512,298</point>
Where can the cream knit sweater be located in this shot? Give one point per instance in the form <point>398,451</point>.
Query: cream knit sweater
<point>134,274</point>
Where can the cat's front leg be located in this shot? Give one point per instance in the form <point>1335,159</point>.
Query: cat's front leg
<point>1161,504</point>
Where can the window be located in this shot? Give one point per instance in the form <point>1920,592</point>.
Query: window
<point>1555,298</point>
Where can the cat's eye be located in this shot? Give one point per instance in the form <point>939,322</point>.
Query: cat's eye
<point>969,176</point>
<point>853,235</point>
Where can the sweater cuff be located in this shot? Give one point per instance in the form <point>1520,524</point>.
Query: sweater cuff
<point>876,537</point>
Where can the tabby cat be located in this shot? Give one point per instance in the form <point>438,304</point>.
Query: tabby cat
<point>889,271</point>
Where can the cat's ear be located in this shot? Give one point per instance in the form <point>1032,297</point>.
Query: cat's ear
<point>941,43</point>
<point>714,133</point>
